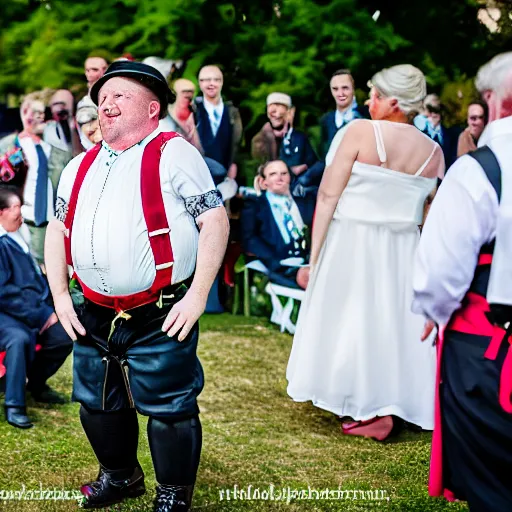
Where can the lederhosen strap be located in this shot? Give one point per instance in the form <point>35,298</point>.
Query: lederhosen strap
<point>156,222</point>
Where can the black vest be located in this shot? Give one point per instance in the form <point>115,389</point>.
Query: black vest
<point>218,147</point>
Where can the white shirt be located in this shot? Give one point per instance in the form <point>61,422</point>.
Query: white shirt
<point>29,192</point>
<point>462,218</point>
<point>211,109</point>
<point>110,246</point>
<point>54,135</point>
<point>21,237</point>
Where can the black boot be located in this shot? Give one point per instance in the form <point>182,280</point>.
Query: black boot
<point>47,395</point>
<point>173,498</point>
<point>17,417</point>
<point>106,490</point>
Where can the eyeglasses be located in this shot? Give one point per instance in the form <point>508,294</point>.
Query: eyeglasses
<point>476,118</point>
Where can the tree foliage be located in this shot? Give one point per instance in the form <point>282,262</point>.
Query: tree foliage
<point>287,45</point>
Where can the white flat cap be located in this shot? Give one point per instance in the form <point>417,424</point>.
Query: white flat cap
<point>280,98</point>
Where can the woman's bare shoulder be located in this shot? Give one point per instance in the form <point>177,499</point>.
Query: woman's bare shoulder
<point>358,127</point>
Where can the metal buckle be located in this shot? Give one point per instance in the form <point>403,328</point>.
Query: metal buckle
<point>121,314</point>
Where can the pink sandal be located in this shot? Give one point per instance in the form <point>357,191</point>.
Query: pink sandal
<point>376,428</point>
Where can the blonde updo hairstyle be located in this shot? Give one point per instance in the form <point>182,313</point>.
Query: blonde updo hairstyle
<point>406,84</point>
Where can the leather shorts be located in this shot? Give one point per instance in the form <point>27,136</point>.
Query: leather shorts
<point>135,364</point>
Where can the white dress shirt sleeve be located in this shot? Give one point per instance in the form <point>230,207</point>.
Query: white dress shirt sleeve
<point>461,219</point>
<point>185,170</point>
<point>67,179</point>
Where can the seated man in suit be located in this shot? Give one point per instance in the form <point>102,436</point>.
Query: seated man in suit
<point>26,318</point>
<point>274,226</point>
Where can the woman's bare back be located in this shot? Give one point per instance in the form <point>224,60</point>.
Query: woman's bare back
<point>402,148</point>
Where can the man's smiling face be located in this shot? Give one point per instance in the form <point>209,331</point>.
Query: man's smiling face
<point>124,106</point>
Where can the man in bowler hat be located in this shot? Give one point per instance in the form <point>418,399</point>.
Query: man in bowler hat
<point>143,227</point>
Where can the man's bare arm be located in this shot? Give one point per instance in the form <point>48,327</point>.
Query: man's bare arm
<point>213,238</point>
<point>57,272</point>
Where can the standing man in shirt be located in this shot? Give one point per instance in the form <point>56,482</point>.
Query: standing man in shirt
<point>141,223</point>
<point>218,123</point>
<point>454,287</point>
<point>38,198</point>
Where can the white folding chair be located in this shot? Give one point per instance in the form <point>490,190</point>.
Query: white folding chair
<point>281,315</point>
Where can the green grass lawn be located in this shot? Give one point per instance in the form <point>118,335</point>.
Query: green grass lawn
<point>254,435</point>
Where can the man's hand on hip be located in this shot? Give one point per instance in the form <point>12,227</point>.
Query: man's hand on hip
<point>184,314</point>
<point>67,315</point>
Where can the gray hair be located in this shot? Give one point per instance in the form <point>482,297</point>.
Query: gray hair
<point>493,75</point>
<point>405,83</point>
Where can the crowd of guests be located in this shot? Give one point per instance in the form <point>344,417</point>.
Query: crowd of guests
<point>275,213</point>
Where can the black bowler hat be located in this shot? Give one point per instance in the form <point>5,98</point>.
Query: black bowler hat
<point>143,73</point>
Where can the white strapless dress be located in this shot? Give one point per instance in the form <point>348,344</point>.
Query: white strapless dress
<point>357,349</point>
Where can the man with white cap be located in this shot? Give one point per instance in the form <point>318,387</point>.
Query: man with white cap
<point>278,139</point>
<point>144,229</point>
<point>88,124</point>
<point>463,282</point>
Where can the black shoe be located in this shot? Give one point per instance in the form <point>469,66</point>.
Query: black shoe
<point>17,417</point>
<point>47,395</point>
<point>173,498</point>
<point>106,491</point>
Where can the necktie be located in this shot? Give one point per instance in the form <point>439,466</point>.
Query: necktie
<point>293,232</point>
<point>216,122</point>
<point>41,201</point>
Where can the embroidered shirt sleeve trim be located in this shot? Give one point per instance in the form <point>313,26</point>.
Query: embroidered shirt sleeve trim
<point>61,209</point>
<point>196,205</point>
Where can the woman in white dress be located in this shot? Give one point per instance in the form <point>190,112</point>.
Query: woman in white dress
<point>357,349</point>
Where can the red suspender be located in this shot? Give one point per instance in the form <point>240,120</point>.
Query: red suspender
<point>154,210</point>
<point>87,161</point>
<point>156,221</point>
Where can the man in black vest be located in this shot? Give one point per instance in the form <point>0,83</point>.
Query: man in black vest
<point>218,123</point>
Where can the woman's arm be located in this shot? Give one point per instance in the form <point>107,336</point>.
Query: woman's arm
<point>333,183</point>
<point>437,169</point>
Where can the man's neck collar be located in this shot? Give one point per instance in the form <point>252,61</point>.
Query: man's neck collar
<point>215,102</point>
<point>343,110</point>
<point>495,128</point>
<point>141,142</point>
<point>36,138</point>
<point>288,195</point>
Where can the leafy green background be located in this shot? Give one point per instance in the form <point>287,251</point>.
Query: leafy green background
<point>287,45</point>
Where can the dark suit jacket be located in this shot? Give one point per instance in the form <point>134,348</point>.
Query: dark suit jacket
<point>24,292</point>
<point>298,151</point>
<point>328,127</point>
<point>260,233</point>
